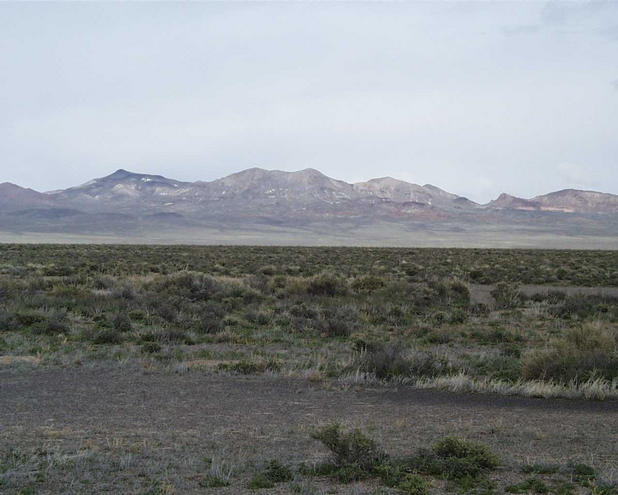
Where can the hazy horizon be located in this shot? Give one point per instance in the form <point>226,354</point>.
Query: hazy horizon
<point>475,98</point>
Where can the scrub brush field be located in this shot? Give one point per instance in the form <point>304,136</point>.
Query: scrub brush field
<point>181,369</point>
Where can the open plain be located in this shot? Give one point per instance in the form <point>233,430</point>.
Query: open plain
<point>185,369</point>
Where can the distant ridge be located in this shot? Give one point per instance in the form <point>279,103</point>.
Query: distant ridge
<point>254,198</point>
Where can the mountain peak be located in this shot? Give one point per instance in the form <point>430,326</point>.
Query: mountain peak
<point>9,185</point>
<point>289,195</point>
<point>121,172</point>
<point>310,172</point>
<point>14,196</point>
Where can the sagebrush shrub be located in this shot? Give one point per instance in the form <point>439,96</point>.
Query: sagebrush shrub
<point>327,284</point>
<point>455,458</point>
<point>122,322</point>
<point>367,284</point>
<point>583,353</point>
<point>340,321</point>
<point>393,360</point>
<point>277,472</point>
<point>350,447</point>
<point>506,295</point>
<point>107,337</point>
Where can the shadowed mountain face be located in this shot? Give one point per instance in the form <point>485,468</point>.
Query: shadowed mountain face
<point>125,201</point>
<point>13,198</point>
<point>307,194</point>
<point>565,201</point>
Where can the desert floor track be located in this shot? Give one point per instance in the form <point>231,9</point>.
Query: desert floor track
<point>169,422</point>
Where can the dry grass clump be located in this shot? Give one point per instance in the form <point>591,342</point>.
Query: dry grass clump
<point>584,353</point>
<point>393,360</point>
<point>596,389</point>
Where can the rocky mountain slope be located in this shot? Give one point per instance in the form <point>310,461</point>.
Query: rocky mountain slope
<point>565,201</point>
<point>126,201</point>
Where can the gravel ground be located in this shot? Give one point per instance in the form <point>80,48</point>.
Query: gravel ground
<point>124,430</point>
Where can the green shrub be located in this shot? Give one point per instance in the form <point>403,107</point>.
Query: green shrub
<point>193,286</point>
<point>8,322</point>
<point>54,325</point>
<point>479,309</point>
<point>104,282</point>
<point>390,360</point>
<point>587,307</point>
<point>249,367</point>
<point>367,284</point>
<point>583,353</point>
<point>350,448</point>
<point>259,481</point>
<point>122,322</point>
<point>210,318</point>
<point>455,458</point>
<point>395,475</point>
<point>506,296</point>
<point>327,284</point>
<point>340,321</point>
<point>568,489</point>
<point>459,294</point>
<point>107,337</point>
<point>581,472</point>
<point>166,311</point>
<point>442,336</point>
<point>453,447</point>
<point>458,316</point>
<point>385,361</point>
<point>412,484</point>
<point>138,315</point>
<point>212,481</point>
<point>151,348</point>
<point>531,485</point>
<point>28,319</point>
<point>277,472</point>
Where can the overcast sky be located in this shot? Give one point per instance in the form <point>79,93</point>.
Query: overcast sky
<point>476,98</point>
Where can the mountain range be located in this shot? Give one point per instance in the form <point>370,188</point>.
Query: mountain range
<point>300,207</point>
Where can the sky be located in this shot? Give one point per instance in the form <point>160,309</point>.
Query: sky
<point>476,98</point>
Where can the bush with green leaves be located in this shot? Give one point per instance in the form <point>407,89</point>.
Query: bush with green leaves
<point>582,353</point>
<point>274,472</point>
<point>350,448</point>
<point>397,475</point>
<point>259,482</point>
<point>250,366</point>
<point>531,485</point>
<point>356,456</point>
<point>107,336</point>
<point>367,284</point>
<point>122,322</point>
<point>456,458</point>
<point>277,472</point>
<point>213,481</point>
<point>506,295</point>
<point>581,307</point>
<point>150,348</point>
<point>340,321</point>
<point>394,360</point>
<point>327,284</point>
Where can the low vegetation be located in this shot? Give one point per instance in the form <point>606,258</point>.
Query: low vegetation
<point>355,457</point>
<point>354,315</point>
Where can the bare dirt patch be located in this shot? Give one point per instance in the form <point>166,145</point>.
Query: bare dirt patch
<point>123,430</point>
